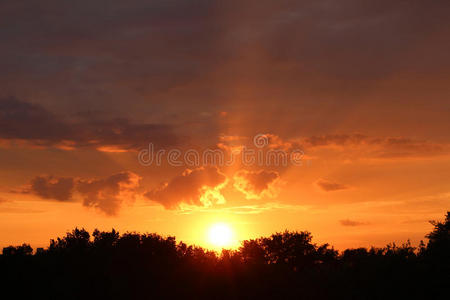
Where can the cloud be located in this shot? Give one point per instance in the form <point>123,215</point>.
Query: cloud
<point>33,124</point>
<point>256,184</point>
<point>199,187</point>
<point>377,147</point>
<point>289,32</point>
<point>329,186</point>
<point>26,121</point>
<point>49,187</point>
<point>106,194</point>
<point>348,222</point>
<point>109,193</point>
<point>251,209</point>
<point>345,146</point>
<point>335,139</point>
<point>132,52</point>
<point>401,147</point>
<point>136,53</point>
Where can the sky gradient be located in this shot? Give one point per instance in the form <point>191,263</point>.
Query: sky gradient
<point>361,88</point>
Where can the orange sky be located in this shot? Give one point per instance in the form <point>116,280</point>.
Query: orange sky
<point>360,90</point>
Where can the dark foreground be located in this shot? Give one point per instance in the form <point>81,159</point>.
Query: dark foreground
<point>285,265</point>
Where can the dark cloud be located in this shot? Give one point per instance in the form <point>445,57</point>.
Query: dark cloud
<point>32,123</point>
<point>106,194</point>
<point>162,53</point>
<point>27,121</point>
<point>49,187</point>
<point>351,223</point>
<point>295,31</point>
<point>329,186</point>
<point>109,193</point>
<point>199,187</point>
<point>256,184</point>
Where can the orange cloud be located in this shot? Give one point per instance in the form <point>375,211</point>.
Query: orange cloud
<point>199,187</point>
<point>255,185</point>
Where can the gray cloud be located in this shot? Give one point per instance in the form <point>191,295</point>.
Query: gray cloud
<point>105,194</point>
<point>177,57</point>
<point>20,120</point>
<point>28,121</point>
<point>108,194</point>
<point>329,186</point>
<point>49,187</point>
<point>348,222</point>
<point>377,147</point>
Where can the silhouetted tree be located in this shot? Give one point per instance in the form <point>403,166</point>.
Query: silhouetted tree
<point>105,240</point>
<point>282,266</point>
<point>24,249</point>
<point>77,241</point>
<point>439,240</point>
<point>292,248</point>
<point>253,252</point>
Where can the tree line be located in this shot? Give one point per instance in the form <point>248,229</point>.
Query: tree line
<point>286,265</point>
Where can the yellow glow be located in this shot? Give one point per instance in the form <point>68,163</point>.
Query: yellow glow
<point>221,235</point>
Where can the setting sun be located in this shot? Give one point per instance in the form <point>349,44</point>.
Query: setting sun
<point>221,235</point>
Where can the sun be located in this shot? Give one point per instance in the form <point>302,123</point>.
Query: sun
<point>221,235</point>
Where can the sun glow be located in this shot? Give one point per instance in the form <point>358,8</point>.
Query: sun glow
<point>221,235</point>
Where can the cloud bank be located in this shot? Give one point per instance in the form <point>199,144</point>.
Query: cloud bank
<point>35,125</point>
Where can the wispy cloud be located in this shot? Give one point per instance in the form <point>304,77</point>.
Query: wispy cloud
<point>330,186</point>
<point>352,223</point>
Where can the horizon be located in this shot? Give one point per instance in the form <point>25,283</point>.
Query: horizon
<point>222,121</point>
<point>235,245</point>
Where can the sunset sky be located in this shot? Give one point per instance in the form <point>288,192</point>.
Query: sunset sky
<point>360,88</point>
